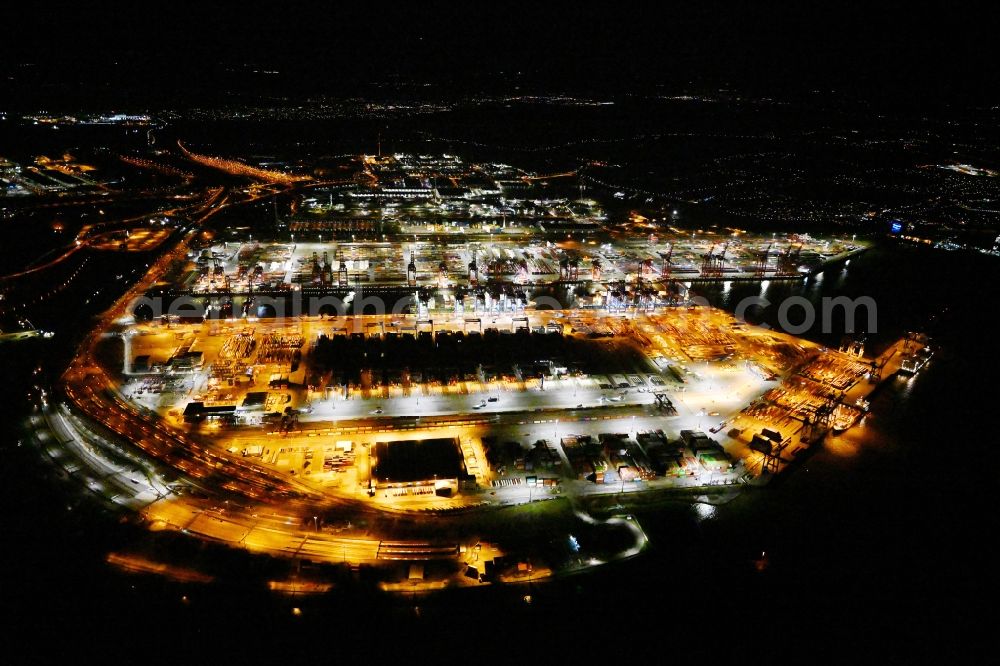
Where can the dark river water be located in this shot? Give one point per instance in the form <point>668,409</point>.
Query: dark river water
<point>879,536</point>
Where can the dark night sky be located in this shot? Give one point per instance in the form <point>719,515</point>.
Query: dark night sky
<point>925,54</point>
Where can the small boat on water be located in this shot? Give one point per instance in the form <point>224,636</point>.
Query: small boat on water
<point>915,362</point>
<point>845,416</point>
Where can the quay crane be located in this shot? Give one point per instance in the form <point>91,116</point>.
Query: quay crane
<point>713,264</point>
<point>760,263</point>
<point>667,263</point>
<point>789,259</point>
<point>473,269</point>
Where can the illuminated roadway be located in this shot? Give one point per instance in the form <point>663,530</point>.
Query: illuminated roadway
<point>212,194</point>
<point>92,391</point>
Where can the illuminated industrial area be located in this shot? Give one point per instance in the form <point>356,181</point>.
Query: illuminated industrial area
<point>421,361</point>
<point>492,333</point>
<point>418,335</point>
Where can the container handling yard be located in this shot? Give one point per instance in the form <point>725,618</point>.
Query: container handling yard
<point>237,418</point>
<point>502,273</point>
<point>277,394</point>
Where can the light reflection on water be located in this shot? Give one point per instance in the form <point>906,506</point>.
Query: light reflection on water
<point>870,274</point>
<point>703,511</point>
<point>841,277</point>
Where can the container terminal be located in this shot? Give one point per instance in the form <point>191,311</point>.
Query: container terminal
<point>502,365</point>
